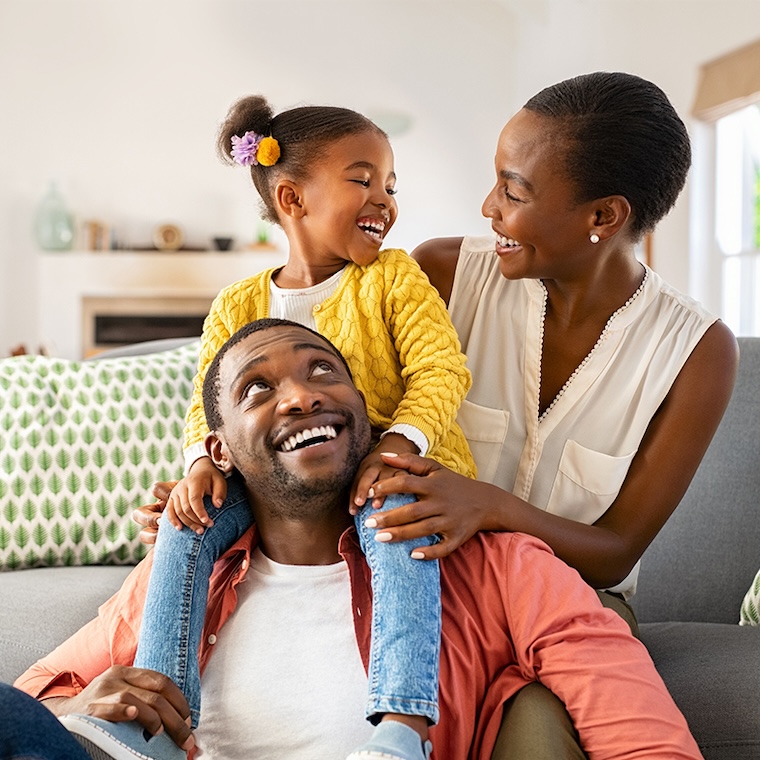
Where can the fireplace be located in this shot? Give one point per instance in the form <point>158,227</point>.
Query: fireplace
<point>96,300</point>
<point>109,322</point>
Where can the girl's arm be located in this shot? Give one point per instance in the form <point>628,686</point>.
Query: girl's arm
<point>433,366</point>
<point>433,370</point>
<point>184,503</point>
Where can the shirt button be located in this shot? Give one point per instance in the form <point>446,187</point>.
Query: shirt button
<point>212,639</point>
<point>318,307</point>
<point>244,565</point>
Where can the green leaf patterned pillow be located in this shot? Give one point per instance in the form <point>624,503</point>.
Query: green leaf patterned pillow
<point>750,609</point>
<point>81,443</point>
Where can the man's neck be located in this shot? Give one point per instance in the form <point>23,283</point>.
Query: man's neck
<point>301,541</point>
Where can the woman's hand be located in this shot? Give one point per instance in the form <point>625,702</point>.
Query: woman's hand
<point>373,468</point>
<point>448,504</point>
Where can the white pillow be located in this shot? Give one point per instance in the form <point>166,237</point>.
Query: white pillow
<point>81,443</point>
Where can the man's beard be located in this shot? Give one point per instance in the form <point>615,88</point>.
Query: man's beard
<point>290,496</point>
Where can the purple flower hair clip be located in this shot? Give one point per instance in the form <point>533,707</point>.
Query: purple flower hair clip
<point>244,148</point>
<point>253,149</point>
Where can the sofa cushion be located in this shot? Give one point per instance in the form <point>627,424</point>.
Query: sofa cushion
<point>80,445</point>
<point>711,671</point>
<point>703,560</point>
<point>65,597</point>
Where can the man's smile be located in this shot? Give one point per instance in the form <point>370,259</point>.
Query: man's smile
<point>313,436</point>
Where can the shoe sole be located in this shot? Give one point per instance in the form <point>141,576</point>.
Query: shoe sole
<point>88,735</point>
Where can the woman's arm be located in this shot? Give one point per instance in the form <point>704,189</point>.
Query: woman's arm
<point>605,552</point>
<point>438,258</point>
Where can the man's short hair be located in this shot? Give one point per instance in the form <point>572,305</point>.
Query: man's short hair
<point>211,384</point>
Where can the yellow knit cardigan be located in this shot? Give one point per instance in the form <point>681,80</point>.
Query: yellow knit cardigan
<point>396,335</point>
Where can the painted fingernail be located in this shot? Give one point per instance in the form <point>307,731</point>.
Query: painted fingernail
<point>370,522</point>
<point>417,555</point>
<point>371,493</point>
<point>383,537</point>
<point>389,453</point>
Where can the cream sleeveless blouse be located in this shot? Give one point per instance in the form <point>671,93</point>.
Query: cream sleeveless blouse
<point>573,461</point>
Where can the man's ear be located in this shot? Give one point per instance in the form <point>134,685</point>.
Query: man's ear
<point>609,216</point>
<point>288,200</point>
<point>217,449</point>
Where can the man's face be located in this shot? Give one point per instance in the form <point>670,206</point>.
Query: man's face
<point>294,424</point>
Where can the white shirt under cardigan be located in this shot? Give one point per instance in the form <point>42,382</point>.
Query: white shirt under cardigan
<point>573,461</point>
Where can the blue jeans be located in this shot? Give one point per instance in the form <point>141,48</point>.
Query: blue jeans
<point>406,617</point>
<point>29,731</point>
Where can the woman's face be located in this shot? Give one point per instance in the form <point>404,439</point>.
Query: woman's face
<point>541,231</point>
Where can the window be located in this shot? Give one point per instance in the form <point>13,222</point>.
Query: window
<point>737,217</point>
<point>725,189</point>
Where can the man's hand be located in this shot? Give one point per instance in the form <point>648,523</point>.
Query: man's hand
<point>451,505</point>
<point>126,693</point>
<point>373,468</point>
<point>148,515</point>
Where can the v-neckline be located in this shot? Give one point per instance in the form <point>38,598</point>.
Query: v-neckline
<point>574,374</point>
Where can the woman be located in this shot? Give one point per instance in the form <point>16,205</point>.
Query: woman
<point>596,386</point>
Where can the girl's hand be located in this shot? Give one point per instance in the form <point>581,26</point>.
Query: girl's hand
<point>451,505</point>
<point>148,515</point>
<point>372,468</point>
<point>185,503</point>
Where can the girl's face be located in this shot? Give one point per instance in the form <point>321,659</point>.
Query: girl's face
<point>541,232</point>
<point>348,200</point>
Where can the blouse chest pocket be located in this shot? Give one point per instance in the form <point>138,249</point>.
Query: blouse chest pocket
<point>485,430</point>
<point>587,482</point>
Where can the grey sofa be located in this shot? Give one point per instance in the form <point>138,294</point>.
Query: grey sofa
<point>693,579</point>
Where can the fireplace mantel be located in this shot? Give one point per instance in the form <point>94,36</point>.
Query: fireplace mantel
<point>66,279</point>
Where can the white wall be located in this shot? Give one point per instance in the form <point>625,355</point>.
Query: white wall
<point>119,101</point>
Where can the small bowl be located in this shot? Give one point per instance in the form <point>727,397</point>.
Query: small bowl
<point>223,243</point>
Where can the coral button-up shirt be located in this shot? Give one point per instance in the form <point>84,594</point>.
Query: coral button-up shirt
<point>512,614</point>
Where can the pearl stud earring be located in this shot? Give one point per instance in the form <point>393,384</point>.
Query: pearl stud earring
<point>594,238</point>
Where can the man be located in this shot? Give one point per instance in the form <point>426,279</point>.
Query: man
<point>512,612</point>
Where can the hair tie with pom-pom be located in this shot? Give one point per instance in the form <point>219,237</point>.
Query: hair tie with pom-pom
<point>253,149</point>
<point>268,153</point>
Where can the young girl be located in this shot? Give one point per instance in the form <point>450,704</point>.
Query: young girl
<point>326,176</point>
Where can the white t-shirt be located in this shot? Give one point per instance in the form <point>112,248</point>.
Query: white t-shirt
<point>286,680</point>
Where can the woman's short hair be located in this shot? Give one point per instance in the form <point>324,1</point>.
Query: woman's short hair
<point>621,136</point>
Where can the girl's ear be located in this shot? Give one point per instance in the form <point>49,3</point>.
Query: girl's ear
<point>216,448</point>
<point>610,215</point>
<point>287,199</point>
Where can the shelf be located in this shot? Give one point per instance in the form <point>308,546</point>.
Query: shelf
<point>67,278</point>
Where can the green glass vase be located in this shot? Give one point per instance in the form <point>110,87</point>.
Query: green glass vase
<point>53,223</point>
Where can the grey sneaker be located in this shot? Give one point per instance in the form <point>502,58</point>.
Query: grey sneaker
<point>392,740</point>
<point>128,740</point>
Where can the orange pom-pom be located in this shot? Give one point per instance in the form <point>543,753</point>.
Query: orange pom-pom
<point>268,153</point>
